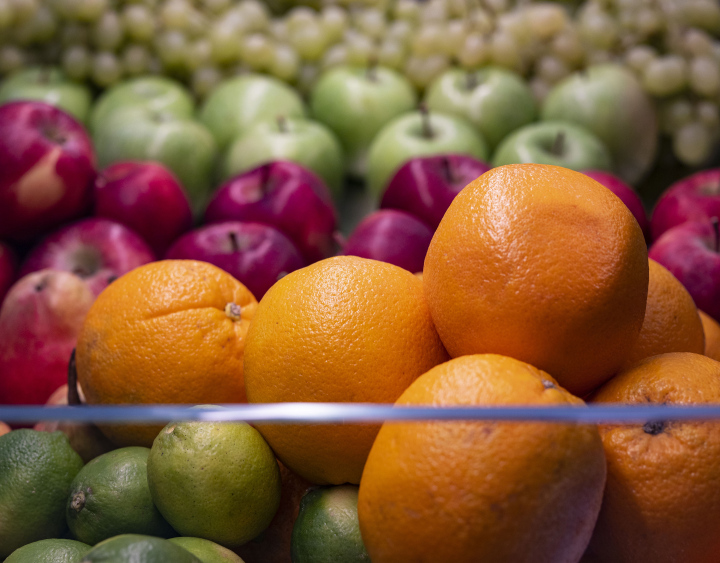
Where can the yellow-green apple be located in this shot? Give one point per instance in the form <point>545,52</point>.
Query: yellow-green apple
<point>8,268</point>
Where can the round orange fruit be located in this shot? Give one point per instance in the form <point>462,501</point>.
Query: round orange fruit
<point>168,332</point>
<point>345,329</point>
<point>474,491</point>
<point>711,328</point>
<point>542,264</point>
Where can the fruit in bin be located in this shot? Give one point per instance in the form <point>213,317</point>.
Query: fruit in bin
<point>495,100</point>
<point>609,101</point>
<point>691,252</point>
<point>40,321</point>
<point>447,503</point>
<point>695,198</point>
<point>391,236</point>
<point>50,550</point>
<point>300,140</point>
<point>343,329</point>
<point>238,103</point>
<point>257,255</point>
<point>711,329</point>
<point>47,166</point>
<point>550,256</point>
<point>558,143</point>
<point>97,250</point>
<point>140,548</point>
<point>425,186</point>
<point>4,428</point>
<point>8,267</point>
<point>207,551</point>
<point>418,134</point>
<point>145,197</point>
<point>284,195</point>
<point>36,469</point>
<point>167,332</point>
<point>661,473</point>
<point>49,85</point>
<point>356,102</point>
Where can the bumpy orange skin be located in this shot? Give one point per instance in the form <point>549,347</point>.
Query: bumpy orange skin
<point>345,329</point>
<point>160,334</point>
<point>482,491</point>
<point>542,264</point>
<point>711,328</point>
<point>662,499</point>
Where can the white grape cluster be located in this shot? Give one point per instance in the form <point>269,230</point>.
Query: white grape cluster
<point>672,45</point>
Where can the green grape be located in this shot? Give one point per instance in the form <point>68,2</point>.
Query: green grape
<point>427,40</point>
<point>216,6</point>
<point>334,56</point>
<point>138,22</point>
<point>704,76</point>
<point>76,62</point>
<point>257,51</point>
<point>568,47</point>
<point>709,114</point>
<point>504,51</point>
<point>421,71</point>
<point>481,21</point>
<point>371,23</point>
<point>37,30</point>
<point>334,21</point>
<point>455,33</point>
<point>698,43</point>
<point>7,14</point>
<point>12,58</point>
<point>204,80</point>
<point>23,10</point>
<point>692,144</point>
<point>474,52</point>
<point>108,33</point>
<point>391,54</point>
<point>106,69</point>
<point>665,76</point>
<point>435,11</point>
<point>360,49</point>
<point>285,64</point>
<point>172,48</point>
<point>197,25</point>
<point>279,30</point>
<point>199,54</point>
<point>551,69</point>
<point>89,11</point>
<point>546,20</point>
<point>73,33</point>
<point>648,22</point>
<point>401,31</point>
<point>598,28</point>
<point>299,17</point>
<point>308,41</point>
<point>255,14</point>
<point>674,114</point>
<point>639,57</point>
<point>224,44</point>
<point>135,59</point>
<point>408,10</point>
<point>515,25</point>
<point>175,14</point>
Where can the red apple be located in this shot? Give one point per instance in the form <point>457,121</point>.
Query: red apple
<point>691,251</point>
<point>39,324</point>
<point>286,196</point>
<point>147,198</point>
<point>695,198</point>
<point>8,266</point>
<point>628,196</point>
<point>47,167</point>
<point>391,236</point>
<point>97,250</point>
<point>257,255</point>
<point>425,186</point>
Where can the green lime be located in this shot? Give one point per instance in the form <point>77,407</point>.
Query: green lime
<point>207,551</point>
<point>135,548</point>
<point>327,528</point>
<point>110,496</point>
<point>214,480</point>
<point>49,551</point>
<point>36,469</point>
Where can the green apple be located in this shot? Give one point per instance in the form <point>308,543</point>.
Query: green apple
<point>495,100</point>
<point>49,85</point>
<point>356,103</point>
<point>183,145</point>
<point>156,93</point>
<point>419,134</point>
<point>609,101</point>
<point>554,142</point>
<point>300,140</point>
<point>238,103</point>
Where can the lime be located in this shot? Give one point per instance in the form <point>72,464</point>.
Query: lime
<point>135,548</point>
<point>110,496</point>
<point>207,551</point>
<point>214,480</point>
<point>327,528</point>
<point>36,469</point>
<point>49,551</point>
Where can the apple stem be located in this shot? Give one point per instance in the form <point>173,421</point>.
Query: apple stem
<point>447,170</point>
<point>425,118</point>
<point>558,146</point>
<point>716,227</point>
<point>371,73</point>
<point>282,123</point>
<point>73,395</point>
<point>234,242</point>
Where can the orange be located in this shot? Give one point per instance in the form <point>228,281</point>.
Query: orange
<point>671,322</point>
<point>662,500</point>
<point>167,332</point>
<point>482,491</point>
<point>542,264</point>
<point>345,329</point>
<point>4,428</point>
<point>711,328</point>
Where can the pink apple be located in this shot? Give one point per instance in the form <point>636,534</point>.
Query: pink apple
<point>691,251</point>
<point>47,167</point>
<point>286,196</point>
<point>696,198</point>
<point>391,236</point>
<point>147,198</point>
<point>39,324</point>
<point>97,250</point>
<point>628,196</point>
<point>8,266</point>
<point>426,186</point>
<point>257,255</point>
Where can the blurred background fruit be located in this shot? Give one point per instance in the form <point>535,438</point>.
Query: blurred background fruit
<point>8,267</point>
<point>711,329</point>
<point>207,551</point>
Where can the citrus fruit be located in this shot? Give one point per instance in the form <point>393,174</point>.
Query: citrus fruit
<point>36,469</point>
<point>662,499</point>
<point>110,496</point>
<point>327,529</point>
<point>167,332</point>
<point>137,548</point>
<point>49,551</point>
<point>214,480</point>
<point>345,329</point>
<point>542,264</point>
<point>671,322</point>
<point>711,328</point>
<point>482,491</point>
<point>207,551</point>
